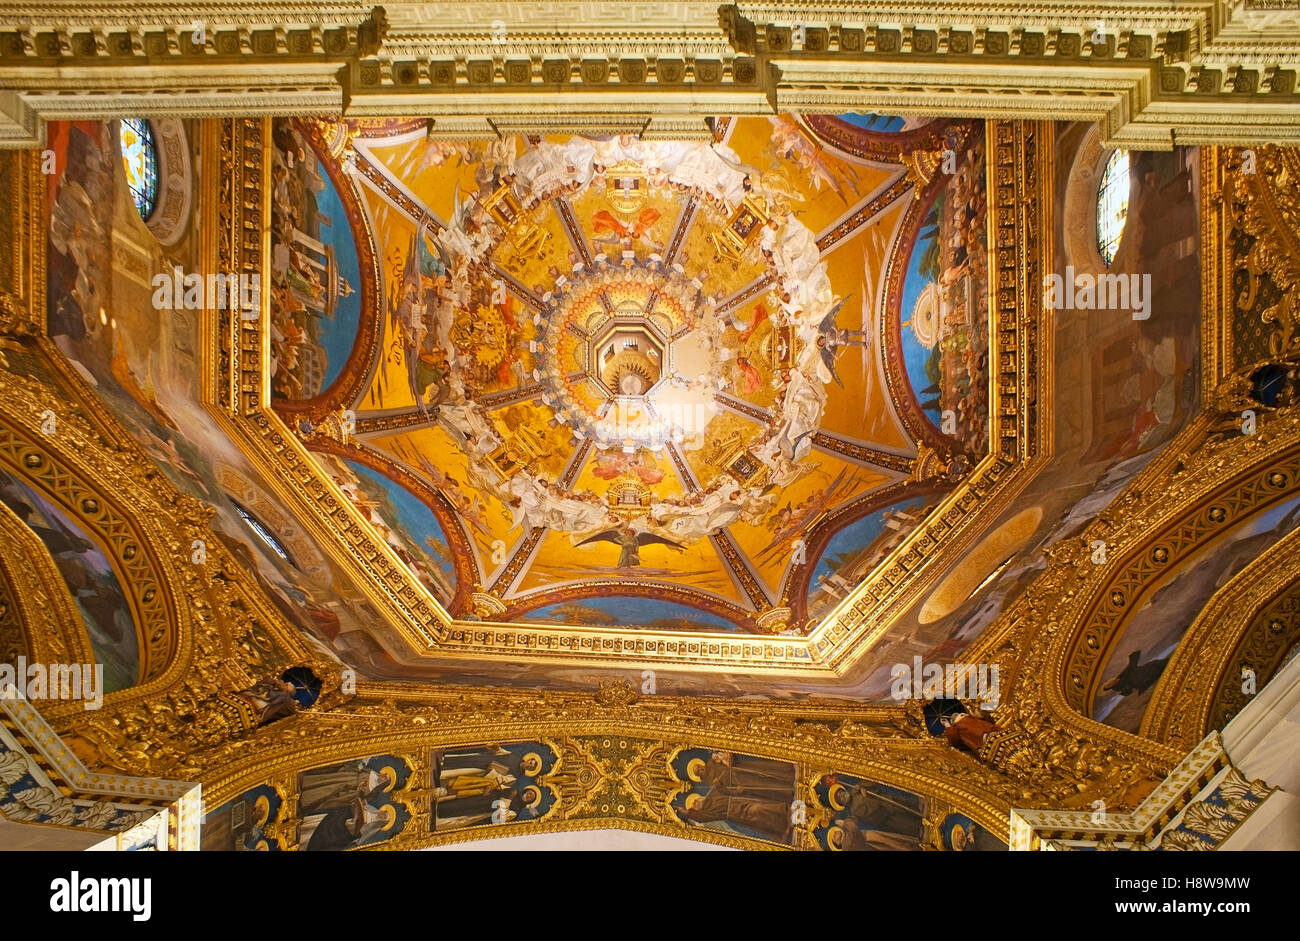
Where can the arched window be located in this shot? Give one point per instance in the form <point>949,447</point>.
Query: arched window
<point>257,526</point>
<point>140,154</point>
<point>1112,205</point>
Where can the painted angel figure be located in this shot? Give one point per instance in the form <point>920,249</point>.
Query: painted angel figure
<point>830,338</point>
<point>789,143</point>
<point>615,231</point>
<point>630,542</point>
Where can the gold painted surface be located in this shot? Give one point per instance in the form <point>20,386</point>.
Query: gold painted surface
<point>228,634</point>
<point>1021,431</point>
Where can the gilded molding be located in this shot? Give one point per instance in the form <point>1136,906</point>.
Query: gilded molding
<point>40,603</point>
<point>1196,71</point>
<point>1250,623</point>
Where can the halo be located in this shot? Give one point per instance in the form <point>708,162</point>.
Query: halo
<point>532,796</point>
<point>261,846</point>
<point>262,809</point>
<point>695,769</point>
<point>694,800</point>
<point>957,835</point>
<point>838,795</point>
<point>835,838</point>
<point>389,774</point>
<point>532,756</point>
<point>389,813</point>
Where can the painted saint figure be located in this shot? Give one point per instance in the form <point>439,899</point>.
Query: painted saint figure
<point>754,793</point>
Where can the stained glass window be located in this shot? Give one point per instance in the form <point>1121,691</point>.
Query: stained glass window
<point>1112,205</point>
<point>140,154</point>
<point>265,534</point>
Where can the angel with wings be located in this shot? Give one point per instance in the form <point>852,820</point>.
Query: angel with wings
<point>830,338</point>
<point>618,231</point>
<point>630,542</point>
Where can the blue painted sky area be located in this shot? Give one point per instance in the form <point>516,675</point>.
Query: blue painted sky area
<point>870,121</point>
<point>914,354</point>
<point>852,539</point>
<point>414,519</point>
<point>338,335</point>
<point>629,611</point>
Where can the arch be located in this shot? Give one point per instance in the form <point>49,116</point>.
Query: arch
<point>1250,623</point>
<point>37,602</point>
<point>657,751</point>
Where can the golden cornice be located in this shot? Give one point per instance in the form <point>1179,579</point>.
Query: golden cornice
<point>1194,71</point>
<point>1149,542</point>
<point>192,616</point>
<point>1123,829</point>
<point>1042,640</point>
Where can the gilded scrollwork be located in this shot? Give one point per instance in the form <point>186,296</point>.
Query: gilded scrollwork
<point>1248,625</point>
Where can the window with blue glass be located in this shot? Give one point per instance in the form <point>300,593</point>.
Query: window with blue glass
<point>264,534</point>
<point>140,154</point>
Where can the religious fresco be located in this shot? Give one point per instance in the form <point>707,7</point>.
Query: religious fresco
<point>91,580</point>
<point>79,264</point>
<point>852,814</point>
<point>241,824</point>
<point>1148,386</point>
<point>655,362</point>
<point>1161,619</point>
<point>409,527</point>
<point>1116,407</point>
<point>492,784</point>
<point>944,302</point>
<point>142,362</point>
<point>628,611</point>
<point>857,549</point>
<point>315,271</point>
<point>734,793</point>
<point>480,454</point>
<point>959,833</point>
<point>352,804</point>
<point>870,121</point>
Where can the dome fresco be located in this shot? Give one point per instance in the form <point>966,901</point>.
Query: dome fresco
<point>670,365</point>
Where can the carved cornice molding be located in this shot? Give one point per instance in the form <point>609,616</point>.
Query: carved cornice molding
<point>1194,71</point>
<point>1170,818</point>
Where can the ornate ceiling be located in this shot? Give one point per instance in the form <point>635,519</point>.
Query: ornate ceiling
<point>294,493</point>
<point>642,388</point>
